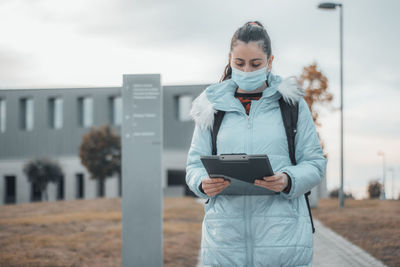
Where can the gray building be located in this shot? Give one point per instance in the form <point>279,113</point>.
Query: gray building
<point>51,122</point>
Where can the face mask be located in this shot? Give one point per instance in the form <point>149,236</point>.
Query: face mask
<point>249,81</point>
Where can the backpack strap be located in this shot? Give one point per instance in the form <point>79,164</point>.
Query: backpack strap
<point>309,210</point>
<point>289,116</point>
<point>218,116</point>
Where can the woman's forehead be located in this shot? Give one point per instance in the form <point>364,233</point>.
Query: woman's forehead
<point>248,50</point>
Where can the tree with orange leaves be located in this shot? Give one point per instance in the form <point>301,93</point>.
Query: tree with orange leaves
<point>315,85</point>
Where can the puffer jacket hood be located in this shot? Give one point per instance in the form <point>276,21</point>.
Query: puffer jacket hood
<point>256,230</point>
<point>220,96</point>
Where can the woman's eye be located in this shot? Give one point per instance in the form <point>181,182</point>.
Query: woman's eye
<point>255,66</point>
<point>240,65</point>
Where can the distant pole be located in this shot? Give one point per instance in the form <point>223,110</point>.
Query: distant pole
<point>328,5</point>
<point>383,195</point>
<point>341,109</point>
<point>392,172</point>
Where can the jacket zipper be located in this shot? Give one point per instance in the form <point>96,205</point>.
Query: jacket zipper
<point>249,253</point>
<point>248,209</point>
<point>246,224</point>
<point>250,150</point>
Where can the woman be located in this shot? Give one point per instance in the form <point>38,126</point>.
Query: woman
<point>255,230</point>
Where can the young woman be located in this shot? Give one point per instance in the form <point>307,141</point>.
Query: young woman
<point>255,230</point>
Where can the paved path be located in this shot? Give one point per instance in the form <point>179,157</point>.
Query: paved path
<point>332,250</point>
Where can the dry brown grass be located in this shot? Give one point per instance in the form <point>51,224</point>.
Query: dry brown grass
<point>370,224</point>
<point>182,231</point>
<point>88,233</point>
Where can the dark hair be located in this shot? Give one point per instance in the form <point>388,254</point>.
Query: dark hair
<point>250,31</point>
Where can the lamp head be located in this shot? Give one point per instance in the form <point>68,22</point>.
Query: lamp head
<point>328,5</point>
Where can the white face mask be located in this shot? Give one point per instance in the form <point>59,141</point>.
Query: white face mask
<point>249,81</point>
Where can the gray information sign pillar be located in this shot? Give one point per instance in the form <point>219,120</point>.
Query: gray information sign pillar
<point>142,194</point>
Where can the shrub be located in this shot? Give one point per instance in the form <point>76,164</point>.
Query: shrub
<point>374,189</point>
<point>334,193</point>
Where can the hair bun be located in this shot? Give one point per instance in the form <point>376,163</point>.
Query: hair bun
<point>255,23</point>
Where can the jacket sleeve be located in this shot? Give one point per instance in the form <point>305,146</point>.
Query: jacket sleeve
<point>195,171</point>
<point>311,163</point>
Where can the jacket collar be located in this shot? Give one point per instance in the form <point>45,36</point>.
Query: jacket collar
<point>220,96</point>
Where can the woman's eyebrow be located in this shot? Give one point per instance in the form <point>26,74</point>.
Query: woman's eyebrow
<point>254,59</point>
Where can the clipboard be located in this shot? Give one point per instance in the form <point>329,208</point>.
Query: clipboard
<point>241,170</point>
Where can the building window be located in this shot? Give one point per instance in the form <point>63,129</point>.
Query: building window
<point>2,115</point>
<point>115,107</point>
<point>10,189</point>
<point>85,111</point>
<point>55,112</point>
<point>183,104</point>
<point>26,114</point>
<point>80,186</point>
<point>177,178</point>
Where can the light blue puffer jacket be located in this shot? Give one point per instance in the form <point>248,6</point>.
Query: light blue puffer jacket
<point>256,230</point>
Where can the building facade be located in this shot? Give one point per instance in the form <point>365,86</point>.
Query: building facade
<point>51,122</point>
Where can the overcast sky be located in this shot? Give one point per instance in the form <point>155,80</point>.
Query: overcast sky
<point>47,44</point>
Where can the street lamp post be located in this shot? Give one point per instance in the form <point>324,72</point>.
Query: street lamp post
<point>328,5</point>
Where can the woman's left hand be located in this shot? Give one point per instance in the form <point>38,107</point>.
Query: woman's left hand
<point>277,182</point>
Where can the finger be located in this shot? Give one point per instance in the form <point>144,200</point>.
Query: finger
<point>275,183</point>
<point>211,185</point>
<point>271,178</point>
<point>273,188</point>
<point>215,186</point>
<point>267,185</point>
<point>213,180</point>
<point>270,184</point>
<point>218,190</point>
<point>210,189</point>
<point>215,190</point>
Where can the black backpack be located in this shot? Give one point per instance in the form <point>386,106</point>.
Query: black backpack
<point>289,117</point>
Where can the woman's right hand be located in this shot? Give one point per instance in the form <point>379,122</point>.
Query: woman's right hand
<point>213,186</point>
